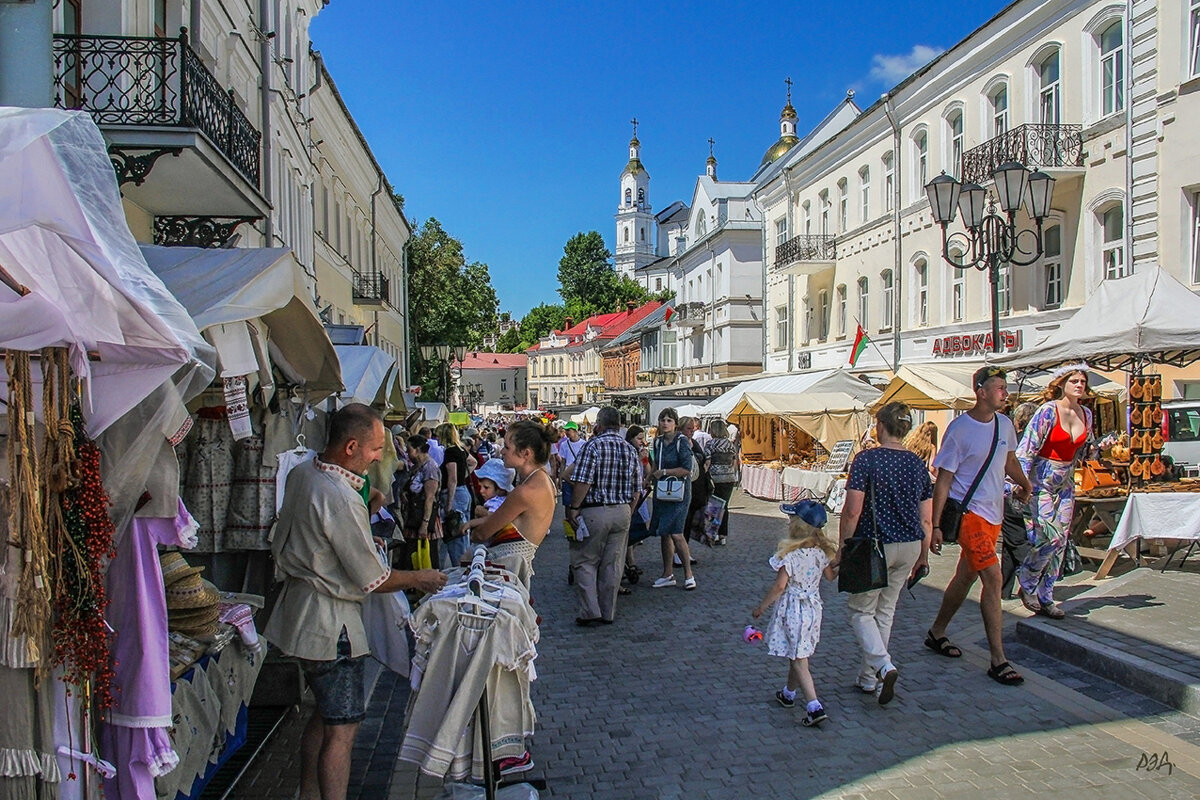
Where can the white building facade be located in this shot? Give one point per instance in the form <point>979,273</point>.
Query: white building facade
<point>1048,84</point>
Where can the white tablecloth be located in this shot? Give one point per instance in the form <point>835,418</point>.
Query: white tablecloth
<point>762,482</point>
<point>1158,516</point>
<point>796,481</point>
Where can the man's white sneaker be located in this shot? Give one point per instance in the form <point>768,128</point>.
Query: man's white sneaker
<point>659,583</point>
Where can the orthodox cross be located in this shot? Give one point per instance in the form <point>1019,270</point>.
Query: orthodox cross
<point>788,81</point>
<point>635,124</point>
<point>710,146</point>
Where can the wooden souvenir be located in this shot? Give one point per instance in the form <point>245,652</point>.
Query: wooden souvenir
<point>1157,415</point>
<point>1135,388</point>
<point>1135,416</point>
<point>1156,467</point>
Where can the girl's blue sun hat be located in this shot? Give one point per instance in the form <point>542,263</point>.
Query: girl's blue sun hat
<point>810,511</point>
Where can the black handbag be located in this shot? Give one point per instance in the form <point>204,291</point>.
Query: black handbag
<point>863,566</point>
<point>953,510</point>
<point>1072,564</point>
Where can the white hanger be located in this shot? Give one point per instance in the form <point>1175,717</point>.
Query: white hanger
<point>301,448</point>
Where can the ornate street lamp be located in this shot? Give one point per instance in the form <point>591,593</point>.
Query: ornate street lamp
<point>991,239</point>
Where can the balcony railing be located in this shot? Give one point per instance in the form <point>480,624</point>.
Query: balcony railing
<point>145,80</point>
<point>818,247</point>
<point>690,314</point>
<point>1034,145</point>
<point>369,290</point>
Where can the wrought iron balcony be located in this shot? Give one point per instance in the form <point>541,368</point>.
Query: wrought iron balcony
<point>153,81</point>
<point>806,248</point>
<point>691,315</point>
<point>1034,145</point>
<point>369,290</point>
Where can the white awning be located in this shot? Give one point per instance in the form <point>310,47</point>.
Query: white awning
<point>64,240</point>
<point>825,381</point>
<point>243,298</point>
<point>939,386</point>
<point>1149,313</point>
<point>371,377</point>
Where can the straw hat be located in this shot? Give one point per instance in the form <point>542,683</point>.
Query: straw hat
<point>175,568</point>
<point>203,629</point>
<point>191,592</point>
<point>194,616</point>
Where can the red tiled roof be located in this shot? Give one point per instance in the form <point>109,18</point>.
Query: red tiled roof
<point>494,361</point>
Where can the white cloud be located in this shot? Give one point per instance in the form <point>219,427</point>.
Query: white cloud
<point>893,69</point>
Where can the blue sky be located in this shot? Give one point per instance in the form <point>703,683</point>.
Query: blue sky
<point>509,122</point>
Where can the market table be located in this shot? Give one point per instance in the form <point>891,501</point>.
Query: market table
<point>1157,515</point>
<point>799,483</point>
<point>762,482</point>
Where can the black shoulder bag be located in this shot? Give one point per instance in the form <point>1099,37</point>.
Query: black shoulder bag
<point>952,512</point>
<point>863,566</point>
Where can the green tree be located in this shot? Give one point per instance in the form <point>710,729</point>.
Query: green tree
<point>510,342</point>
<point>540,320</point>
<point>450,301</point>
<point>584,272</point>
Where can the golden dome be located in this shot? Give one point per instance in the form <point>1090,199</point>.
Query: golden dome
<point>788,112</point>
<point>784,144</point>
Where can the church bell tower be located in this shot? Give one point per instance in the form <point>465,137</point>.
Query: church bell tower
<point>635,222</point>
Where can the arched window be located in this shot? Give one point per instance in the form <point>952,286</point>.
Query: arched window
<point>1111,222</point>
<point>841,309</point>
<point>629,197</point>
<point>823,197</point>
<point>843,205</point>
<point>806,217</point>
<point>1049,79</point>
<point>627,234</point>
<point>920,147</point>
<point>1112,69</point>
<point>642,234</point>
<point>1052,274</point>
<point>641,197</point>
<point>954,131</point>
<point>863,304</point>
<point>921,295</point>
<point>701,225</point>
<point>864,192</point>
<point>998,106</point>
<point>889,288</point>
<point>889,181</point>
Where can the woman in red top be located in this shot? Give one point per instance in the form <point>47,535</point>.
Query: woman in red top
<point>1057,435</point>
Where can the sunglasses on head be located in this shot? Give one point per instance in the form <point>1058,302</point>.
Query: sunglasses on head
<point>988,374</point>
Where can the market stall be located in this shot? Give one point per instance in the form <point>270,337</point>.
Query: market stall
<point>1134,324</point>
<point>93,346</point>
<point>789,441</point>
<point>372,377</point>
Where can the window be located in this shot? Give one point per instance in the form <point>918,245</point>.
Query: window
<point>1196,237</point>
<point>889,181</point>
<point>658,284</point>
<point>824,198</point>
<point>626,234</point>
<point>1194,52</point>
<point>958,295</point>
<point>629,197</point>
<point>641,197</point>
<point>998,101</point>
<point>806,210</point>
<point>1112,70</point>
<point>1004,290</point>
<point>670,353</point>
<point>823,314</point>
<point>841,309</point>
<point>1052,267</point>
<point>920,163</point>
<point>504,384</point>
<point>863,304</point>
<point>921,271</point>
<point>1112,242</point>
<point>843,205</point>
<point>781,327</point>
<point>885,315</point>
<point>864,193</point>
<point>954,125</point>
<point>780,231</point>
<point>642,234</point>
<point>701,225</point>
<point>1049,90</point>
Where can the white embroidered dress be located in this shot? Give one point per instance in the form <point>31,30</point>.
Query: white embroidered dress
<point>795,626</point>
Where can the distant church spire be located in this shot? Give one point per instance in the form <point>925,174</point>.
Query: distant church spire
<point>711,163</point>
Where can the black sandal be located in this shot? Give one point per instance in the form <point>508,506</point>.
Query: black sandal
<point>942,645</point>
<point>1005,674</point>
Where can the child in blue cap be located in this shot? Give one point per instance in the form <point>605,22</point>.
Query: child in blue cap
<point>795,628</point>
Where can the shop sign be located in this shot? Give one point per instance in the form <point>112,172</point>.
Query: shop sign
<point>975,344</point>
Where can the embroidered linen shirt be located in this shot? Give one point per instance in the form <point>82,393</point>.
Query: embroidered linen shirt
<point>324,554</point>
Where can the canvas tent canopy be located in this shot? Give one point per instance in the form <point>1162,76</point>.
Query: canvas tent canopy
<point>833,381</point>
<point>828,417</point>
<point>72,275</point>
<point>586,417</point>
<point>252,304</point>
<point>371,377</point>
<point>1147,316</point>
<point>931,387</point>
<point>435,413</point>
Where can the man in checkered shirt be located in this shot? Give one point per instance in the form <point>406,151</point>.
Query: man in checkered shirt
<point>605,482</point>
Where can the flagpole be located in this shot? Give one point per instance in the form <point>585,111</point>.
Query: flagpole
<point>872,341</point>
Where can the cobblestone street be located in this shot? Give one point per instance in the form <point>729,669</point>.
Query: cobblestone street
<point>670,703</point>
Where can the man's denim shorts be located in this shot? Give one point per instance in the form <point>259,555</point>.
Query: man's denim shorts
<point>338,685</point>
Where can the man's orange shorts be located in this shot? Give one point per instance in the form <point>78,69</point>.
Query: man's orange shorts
<point>977,537</point>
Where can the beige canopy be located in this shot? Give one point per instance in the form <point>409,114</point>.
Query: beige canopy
<point>932,387</point>
<point>828,417</point>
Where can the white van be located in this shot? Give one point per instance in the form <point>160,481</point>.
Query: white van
<point>1181,431</point>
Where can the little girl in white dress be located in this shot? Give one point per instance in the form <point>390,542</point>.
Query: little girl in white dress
<point>795,626</point>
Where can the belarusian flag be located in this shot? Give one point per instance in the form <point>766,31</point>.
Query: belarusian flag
<point>860,344</point>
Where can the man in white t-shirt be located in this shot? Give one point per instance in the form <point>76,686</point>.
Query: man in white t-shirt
<point>568,449</point>
<point>965,449</point>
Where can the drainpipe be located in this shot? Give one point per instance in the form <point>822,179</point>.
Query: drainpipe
<point>1128,89</point>
<point>264,61</point>
<point>26,54</point>
<point>897,271</point>
<point>194,22</point>
<point>407,326</point>
<point>374,253</point>
<point>791,280</point>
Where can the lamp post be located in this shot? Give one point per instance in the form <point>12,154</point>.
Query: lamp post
<point>992,239</point>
